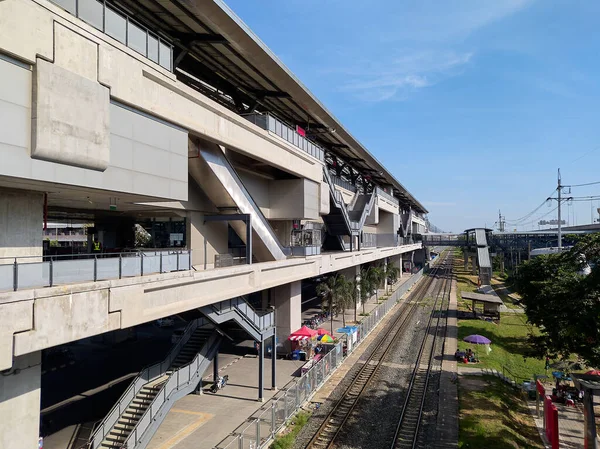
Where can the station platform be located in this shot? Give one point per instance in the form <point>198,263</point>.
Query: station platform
<point>203,421</point>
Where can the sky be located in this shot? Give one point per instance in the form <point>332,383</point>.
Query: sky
<point>472,105</point>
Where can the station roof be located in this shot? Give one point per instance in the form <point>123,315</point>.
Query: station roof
<point>480,297</point>
<point>220,49</point>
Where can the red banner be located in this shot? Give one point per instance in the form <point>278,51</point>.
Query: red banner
<point>300,131</point>
<point>540,388</point>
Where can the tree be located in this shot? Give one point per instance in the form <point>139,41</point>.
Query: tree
<point>563,300</point>
<point>142,237</point>
<point>392,273</point>
<point>347,297</point>
<point>375,275</point>
<point>366,287</point>
<point>330,292</point>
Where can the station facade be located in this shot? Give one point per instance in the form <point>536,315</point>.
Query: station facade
<point>157,159</point>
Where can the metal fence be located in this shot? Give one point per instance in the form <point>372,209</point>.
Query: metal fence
<point>387,196</point>
<point>46,271</point>
<point>343,183</point>
<point>261,427</point>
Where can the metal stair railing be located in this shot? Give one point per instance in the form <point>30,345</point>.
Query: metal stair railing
<point>366,212</point>
<point>146,375</point>
<point>259,322</point>
<point>339,200</point>
<point>387,196</point>
<point>181,381</point>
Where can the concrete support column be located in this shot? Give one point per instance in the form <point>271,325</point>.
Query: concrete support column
<point>21,218</point>
<point>261,370</point>
<point>385,280</point>
<point>205,240</point>
<point>20,403</point>
<point>216,367</point>
<point>287,300</point>
<point>474,264</point>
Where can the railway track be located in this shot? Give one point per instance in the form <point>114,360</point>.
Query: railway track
<point>407,431</point>
<point>335,420</point>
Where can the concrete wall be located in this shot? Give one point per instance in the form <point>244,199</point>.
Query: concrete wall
<point>205,240</point>
<point>78,138</point>
<point>294,199</point>
<point>347,195</point>
<point>258,187</point>
<point>21,221</point>
<point>20,403</point>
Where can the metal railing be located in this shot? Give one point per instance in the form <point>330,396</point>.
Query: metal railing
<point>47,271</point>
<point>387,196</point>
<point>146,375</point>
<point>343,183</point>
<point>276,126</point>
<point>260,322</point>
<point>181,381</point>
<point>120,26</point>
<point>263,425</point>
<point>339,200</point>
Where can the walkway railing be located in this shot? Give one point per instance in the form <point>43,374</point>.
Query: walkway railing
<point>276,126</point>
<point>343,183</point>
<point>46,271</point>
<point>262,426</point>
<point>387,196</point>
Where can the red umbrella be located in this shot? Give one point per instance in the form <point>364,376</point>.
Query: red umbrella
<point>593,372</point>
<point>304,333</point>
<point>322,331</point>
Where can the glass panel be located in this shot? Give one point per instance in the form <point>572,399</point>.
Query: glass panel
<point>169,262</point>
<point>136,38</point>
<point>153,48</point>
<point>107,268</point>
<point>131,266</point>
<point>32,275</point>
<point>69,271</point>
<point>115,25</point>
<point>69,5</point>
<point>165,53</point>
<point>91,12</point>
<point>6,277</point>
<point>151,264</point>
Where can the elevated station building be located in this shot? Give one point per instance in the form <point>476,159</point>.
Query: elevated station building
<point>174,118</point>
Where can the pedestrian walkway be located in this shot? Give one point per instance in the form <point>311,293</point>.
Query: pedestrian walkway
<point>570,426</point>
<point>447,417</point>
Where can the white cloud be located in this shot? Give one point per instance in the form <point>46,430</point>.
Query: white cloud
<point>404,74</point>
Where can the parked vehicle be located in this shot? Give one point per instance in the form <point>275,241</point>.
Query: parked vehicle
<point>219,384</point>
<point>177,334</point>
<point>165,322</point>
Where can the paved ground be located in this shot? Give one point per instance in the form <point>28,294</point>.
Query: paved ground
<point>447,418</point>
<point>201,422</point>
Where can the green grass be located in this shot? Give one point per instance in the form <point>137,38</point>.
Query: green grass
<point>493,416</point>
<point>509,345</point>
<point>287,441</point>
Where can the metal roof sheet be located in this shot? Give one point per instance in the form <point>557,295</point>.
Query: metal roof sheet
<point>481,297</point>
<point>480,237</point>
<point>483,258</point>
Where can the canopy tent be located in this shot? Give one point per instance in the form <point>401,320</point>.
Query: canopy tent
<point>325,338</point>
<point>304,333</point>
<point>322,331</point>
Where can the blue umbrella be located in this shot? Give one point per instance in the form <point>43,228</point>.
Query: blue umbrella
<point>347,329</point>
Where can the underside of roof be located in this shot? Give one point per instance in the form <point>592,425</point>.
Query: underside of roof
<point>216,53</point>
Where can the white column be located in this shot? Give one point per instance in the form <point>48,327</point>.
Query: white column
<point>20,403</point>
<point>287,300</point>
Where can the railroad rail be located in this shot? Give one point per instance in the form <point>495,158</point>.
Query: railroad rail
<point>335,420</point>
<point>407,431</point>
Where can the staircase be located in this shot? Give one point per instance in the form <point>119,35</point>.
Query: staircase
<point>259,326</point>
<point>141,409</point>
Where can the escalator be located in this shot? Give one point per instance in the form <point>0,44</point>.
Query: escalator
<point>213,172</point>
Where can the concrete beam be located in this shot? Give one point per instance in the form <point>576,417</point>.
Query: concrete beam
<point>41,318</point>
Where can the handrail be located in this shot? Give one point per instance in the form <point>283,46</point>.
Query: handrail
<point>387,196</point>
<point>343,183</point>
<point>255,320</point>
<point>366,211</point>
<point>175,386</point>
<point>142,379</point>
<point>337,195</point>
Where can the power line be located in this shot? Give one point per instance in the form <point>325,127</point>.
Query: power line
<point>583,185</point>
<point>525,217</point>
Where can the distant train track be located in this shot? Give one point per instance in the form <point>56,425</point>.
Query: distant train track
<point>327,433</point>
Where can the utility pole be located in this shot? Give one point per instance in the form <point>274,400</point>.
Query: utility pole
<point>501,221</point>
<point>559,188</point>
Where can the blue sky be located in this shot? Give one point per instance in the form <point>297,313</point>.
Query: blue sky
<point>471,104</point>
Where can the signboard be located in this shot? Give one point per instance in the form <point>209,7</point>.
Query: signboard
<point>300,131</point>
<point>176,236</point>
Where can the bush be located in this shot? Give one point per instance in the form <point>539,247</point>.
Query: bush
<point>287,441</point>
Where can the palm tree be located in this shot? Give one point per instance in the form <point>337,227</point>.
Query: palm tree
<point>392,272</point>
<point>347,297</point>
<point>330,292</point>
<point>376,276</point>
<point>366,287</point>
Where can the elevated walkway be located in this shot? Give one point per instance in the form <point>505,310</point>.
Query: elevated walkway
<point>139,412</point>
<point>214,173</point>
